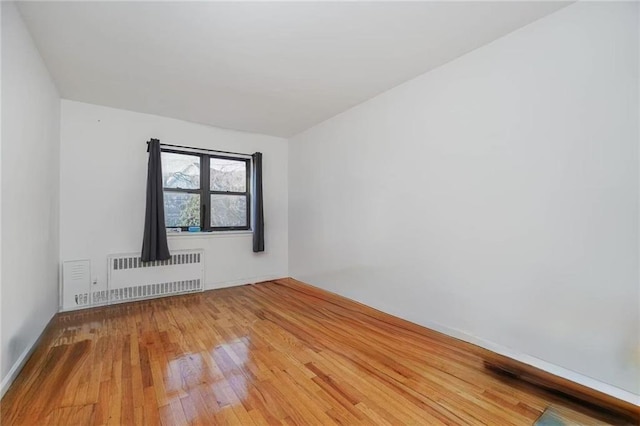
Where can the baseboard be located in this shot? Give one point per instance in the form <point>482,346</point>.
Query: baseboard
<point>22,360</point>
<point>540,364</point>
<point>241,281</point>
<point>16,368</point>
<point>531,369</point>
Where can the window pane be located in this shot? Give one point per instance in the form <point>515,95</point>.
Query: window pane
<point>228,210</point>
<point>181,209</point>
<point>228,175</point>
<point>180,171</point>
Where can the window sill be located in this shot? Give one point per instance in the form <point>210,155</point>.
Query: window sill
<point>213,234</point>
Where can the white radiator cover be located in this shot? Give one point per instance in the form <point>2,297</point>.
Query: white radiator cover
<point>129,279</point>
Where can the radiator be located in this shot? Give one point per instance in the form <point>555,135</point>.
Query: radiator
<point>128,279</point>
<point>131,279</point>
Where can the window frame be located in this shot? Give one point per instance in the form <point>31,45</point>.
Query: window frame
<point>205,191</point>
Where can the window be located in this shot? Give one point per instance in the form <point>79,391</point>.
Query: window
<point>209,191</point>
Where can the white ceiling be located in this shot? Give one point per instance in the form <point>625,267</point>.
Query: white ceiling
<point>268,67</point>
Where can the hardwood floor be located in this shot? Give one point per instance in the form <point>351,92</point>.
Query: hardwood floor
<point>271,353</point>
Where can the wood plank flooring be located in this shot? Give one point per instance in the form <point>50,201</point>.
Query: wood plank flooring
<point>271,353</point>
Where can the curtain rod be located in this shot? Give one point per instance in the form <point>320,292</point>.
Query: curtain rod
<point>199,149</point>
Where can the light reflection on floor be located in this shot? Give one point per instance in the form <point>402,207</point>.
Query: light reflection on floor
<point>222,371</point>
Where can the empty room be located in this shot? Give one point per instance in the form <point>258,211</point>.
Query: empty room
<point>320,213</point>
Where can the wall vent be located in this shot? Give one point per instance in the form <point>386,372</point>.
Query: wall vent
<point>76,284</point>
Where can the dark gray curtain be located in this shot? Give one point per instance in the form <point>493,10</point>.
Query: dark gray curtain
<point>258,216</point>
<point>154,243</point>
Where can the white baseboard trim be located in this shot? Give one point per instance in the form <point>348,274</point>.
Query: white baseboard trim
<point>241,281</point>
<point>20,362</point>
<point>565,373</point>
<point>15,369</point>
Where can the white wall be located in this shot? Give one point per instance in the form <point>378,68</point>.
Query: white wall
<point>494,198</point>
<point>103,181</point>
<point>30,194</point>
